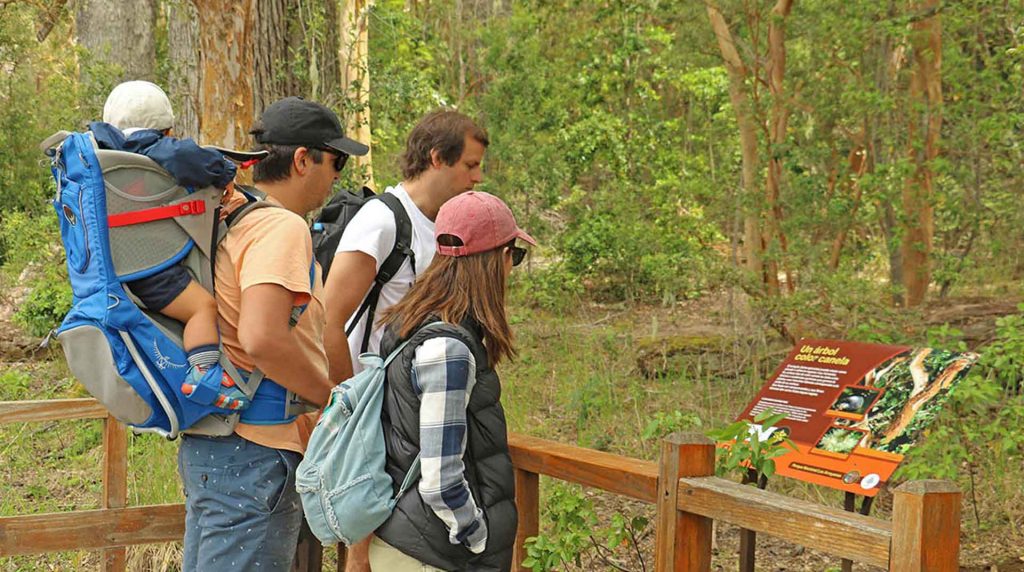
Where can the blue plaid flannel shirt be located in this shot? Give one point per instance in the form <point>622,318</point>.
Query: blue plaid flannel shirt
<point>443,375</point>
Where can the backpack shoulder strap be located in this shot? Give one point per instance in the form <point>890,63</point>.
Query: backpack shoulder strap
<point>403,240</point>
<point>238,214</point>
<point>255,201</point>
<point>390,266</point>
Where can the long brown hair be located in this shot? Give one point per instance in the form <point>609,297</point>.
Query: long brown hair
<point>454,288</point>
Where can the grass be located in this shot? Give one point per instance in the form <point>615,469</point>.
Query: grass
<point>578,379</point>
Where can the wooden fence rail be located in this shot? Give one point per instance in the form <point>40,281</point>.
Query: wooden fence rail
<point>924,534</point>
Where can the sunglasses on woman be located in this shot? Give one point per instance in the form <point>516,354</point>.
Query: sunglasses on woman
<point>518,253</point>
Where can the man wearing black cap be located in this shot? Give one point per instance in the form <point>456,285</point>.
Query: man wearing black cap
<point>242,510</point>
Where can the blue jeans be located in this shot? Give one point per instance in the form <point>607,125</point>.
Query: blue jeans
<point>241,508</point>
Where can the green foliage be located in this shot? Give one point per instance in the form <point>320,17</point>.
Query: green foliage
<point>30,245</point>
<point>574,533</point>
<point>40,93</point>
<point>48,301</point>
<point>25,238</point>
<point>1003,360</point>
<point>572,519</point>
<point>14,385</point>
<point>551,287</point>
<point>746,449</point>
<point>663,424</point>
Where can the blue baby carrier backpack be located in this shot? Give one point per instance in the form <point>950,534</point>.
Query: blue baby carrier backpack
<point>123,218</point>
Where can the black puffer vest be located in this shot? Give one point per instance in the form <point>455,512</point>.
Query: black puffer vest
<point>413,528</point>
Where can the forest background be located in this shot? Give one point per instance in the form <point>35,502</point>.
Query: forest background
<point>710,180</point>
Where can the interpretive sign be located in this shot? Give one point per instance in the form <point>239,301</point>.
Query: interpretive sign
<point>854,409</point>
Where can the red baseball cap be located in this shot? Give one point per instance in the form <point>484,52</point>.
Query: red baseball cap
<point>480,220</point>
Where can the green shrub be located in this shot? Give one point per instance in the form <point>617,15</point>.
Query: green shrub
<point>552,288</point>
<point>32,242</point>
<point>26,238</point>
<point>48,301</point>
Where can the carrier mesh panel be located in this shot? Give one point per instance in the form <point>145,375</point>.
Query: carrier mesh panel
<point>139,247</point>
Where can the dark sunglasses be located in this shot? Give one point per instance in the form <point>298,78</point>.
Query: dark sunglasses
<point>339,160</point>
<point>518,254</point>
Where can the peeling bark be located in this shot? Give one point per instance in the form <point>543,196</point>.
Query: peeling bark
<point>226,82</point>
<point>920,396</point>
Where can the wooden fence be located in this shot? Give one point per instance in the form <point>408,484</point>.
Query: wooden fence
<point>924,534</point>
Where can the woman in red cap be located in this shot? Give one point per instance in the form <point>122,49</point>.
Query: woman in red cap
<point>442,404</point>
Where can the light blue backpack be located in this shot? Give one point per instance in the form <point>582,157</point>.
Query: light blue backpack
<point>345,490</point>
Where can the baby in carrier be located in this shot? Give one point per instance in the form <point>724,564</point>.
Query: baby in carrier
<point>137,118</point>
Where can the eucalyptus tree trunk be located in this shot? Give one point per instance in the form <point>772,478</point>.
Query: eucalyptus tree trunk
<point>119,33</point>
<point>355,78</point>
<point>924,125</point>
<point>738,74</point>
<point>272,76</point>
<point>226,82</point>
<point>183,57</point>
<point>777,124</point>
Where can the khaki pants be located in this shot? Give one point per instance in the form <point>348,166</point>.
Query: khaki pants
<point>386,558</point>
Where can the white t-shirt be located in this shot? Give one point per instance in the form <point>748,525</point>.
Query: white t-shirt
<point>372,231</point>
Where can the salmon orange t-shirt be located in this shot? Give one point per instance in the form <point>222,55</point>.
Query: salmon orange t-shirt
<point>271,246</point>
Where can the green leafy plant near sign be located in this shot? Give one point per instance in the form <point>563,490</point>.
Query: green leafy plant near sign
<point>574,534</point>
<point>747,453</point>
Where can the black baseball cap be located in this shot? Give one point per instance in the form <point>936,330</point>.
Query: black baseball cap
<point>296,121</point>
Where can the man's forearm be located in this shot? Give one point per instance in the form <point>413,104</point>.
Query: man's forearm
<point>338,357</point>
<point>277,359</point>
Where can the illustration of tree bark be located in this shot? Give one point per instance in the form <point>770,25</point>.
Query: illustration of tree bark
<point>921,395</point>
<point>355,78</point>
<point>923,147</point>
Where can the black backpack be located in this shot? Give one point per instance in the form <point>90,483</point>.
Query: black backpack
<point>330,225</point>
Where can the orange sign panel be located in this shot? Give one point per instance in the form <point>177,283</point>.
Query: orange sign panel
<point>853,409</point>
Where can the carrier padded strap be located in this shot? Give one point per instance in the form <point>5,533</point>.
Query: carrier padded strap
<point>187,208</point>
<point>248,386</point>
<point>256,377</point>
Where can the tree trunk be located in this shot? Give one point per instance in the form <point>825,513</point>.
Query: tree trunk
<point>923,147</point>
<point>330,66</point>
<point>776,138</point>
<point>272,75</point>
<point>737,71</point>
<point>119,33</point>
<point>185,73</point>
<point>355,82</point>
<point>856,164</point>
<point>888,63</point>
<point>226,64</point>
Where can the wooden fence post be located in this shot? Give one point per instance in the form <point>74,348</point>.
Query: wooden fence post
<point>682,540</point>
<point>528,507</point>
<point>115,484</point>
<point>925,527</point>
